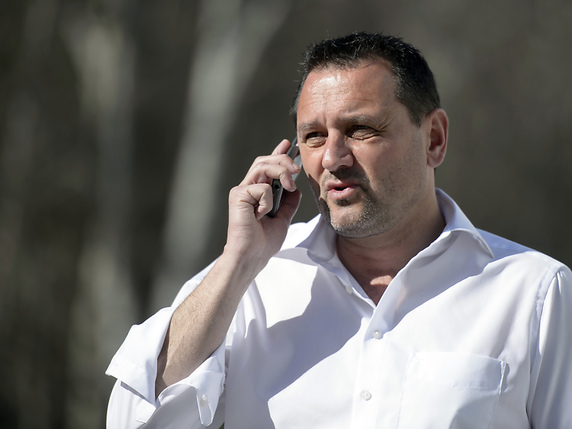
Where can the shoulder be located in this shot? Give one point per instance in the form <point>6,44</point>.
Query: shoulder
<point>522,259</point>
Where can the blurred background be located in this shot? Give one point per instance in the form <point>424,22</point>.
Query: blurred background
<point>124,123</point>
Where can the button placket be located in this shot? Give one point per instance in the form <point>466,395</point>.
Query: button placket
<point>367,391</point>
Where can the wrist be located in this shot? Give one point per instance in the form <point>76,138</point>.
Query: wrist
<point>240,267</point>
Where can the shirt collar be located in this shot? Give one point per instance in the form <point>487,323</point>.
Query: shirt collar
<point>457,222</point>
<point>318,239</point>
<point>315,237</point>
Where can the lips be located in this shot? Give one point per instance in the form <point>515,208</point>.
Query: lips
<point>340,190</point>
<point>338,185</point>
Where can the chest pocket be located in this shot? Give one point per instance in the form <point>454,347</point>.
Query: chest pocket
<point>450,390</point>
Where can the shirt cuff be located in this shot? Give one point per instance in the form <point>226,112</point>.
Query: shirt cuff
<point>135,365</point>
<point>208,382</point>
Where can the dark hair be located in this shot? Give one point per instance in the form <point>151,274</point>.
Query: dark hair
<point>414,82</point>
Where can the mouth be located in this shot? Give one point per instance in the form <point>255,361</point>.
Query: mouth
<point>339,185</point>
<point>344,187</point>
<point>337,191</point>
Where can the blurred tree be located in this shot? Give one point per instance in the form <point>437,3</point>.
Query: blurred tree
<point>103,53</point>
<point>232,38</point>
<point>45,197</point>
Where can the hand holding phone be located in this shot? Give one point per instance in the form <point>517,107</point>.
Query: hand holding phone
<point>277,188</point>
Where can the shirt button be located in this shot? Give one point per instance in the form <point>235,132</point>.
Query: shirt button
<point>377,334</point>
<point>204,400</point>
<point>349,289</point>
<point>365,395</point>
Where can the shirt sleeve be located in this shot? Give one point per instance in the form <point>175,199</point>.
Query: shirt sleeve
<point>551,378</point>
<point>190,403</point>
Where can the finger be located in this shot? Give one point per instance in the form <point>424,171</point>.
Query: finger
<point>282,147</point>
<point>289,206</point>
<point>271,167</point>
<point>263,193</point>
<point>256,198</point>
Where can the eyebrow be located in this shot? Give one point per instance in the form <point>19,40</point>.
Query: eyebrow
<point>367,119</point>
<point>307,126</point>
<point>379,121</point>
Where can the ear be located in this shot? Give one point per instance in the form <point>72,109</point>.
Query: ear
<point>437,125</point>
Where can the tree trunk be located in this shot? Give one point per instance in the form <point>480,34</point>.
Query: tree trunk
<point>228,51</point>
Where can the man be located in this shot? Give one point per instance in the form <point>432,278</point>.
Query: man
<point>388,310</point>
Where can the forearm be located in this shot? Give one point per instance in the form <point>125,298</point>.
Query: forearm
<point>200,323</point>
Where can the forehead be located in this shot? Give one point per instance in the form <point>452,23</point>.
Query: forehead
<point>367,83</point>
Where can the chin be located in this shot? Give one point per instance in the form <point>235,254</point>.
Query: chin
<point>350,223</point>
<point>354,231</point>
<point>355,220</point>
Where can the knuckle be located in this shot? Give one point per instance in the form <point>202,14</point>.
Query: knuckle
<point>259,160</point>
<point>235,191</point>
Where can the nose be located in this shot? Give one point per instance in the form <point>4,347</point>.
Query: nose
<point>337,154</point>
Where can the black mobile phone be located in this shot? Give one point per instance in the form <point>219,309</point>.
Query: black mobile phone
<point>277,188</point>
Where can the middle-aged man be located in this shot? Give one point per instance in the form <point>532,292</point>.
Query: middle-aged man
<point>388,310</point>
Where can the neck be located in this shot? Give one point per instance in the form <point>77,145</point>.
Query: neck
<point>374,261</point>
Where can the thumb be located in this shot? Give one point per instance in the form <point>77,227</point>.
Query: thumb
<point>289,205</point>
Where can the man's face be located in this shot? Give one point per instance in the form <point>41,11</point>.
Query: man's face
<point>365,159</point>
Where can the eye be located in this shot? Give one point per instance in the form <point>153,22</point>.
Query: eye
<point>315,139</point>
<point>362,132</point>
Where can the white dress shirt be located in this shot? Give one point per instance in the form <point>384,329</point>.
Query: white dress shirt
<point>474,332</point>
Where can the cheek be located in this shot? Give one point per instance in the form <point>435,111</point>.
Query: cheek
<point>401,174</point>
<point>374,164</point>
<point>385,171</point>
<point>312,163</point>
<point>314,187</point>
